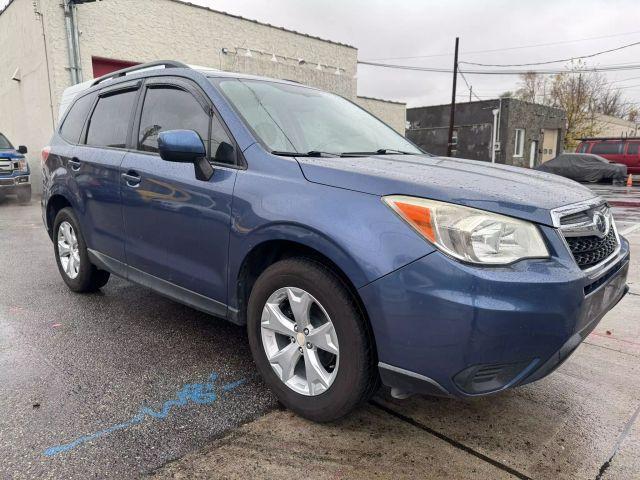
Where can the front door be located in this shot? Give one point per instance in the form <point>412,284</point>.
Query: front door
<point>549,144</point>
<point>177,227</point>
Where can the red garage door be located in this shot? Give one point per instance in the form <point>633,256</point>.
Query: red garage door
<point>102,66</point>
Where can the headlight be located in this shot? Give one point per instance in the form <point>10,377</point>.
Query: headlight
<point>22,165</point>
<point>469,234</point>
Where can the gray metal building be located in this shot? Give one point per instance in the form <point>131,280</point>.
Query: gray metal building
<point>503,130</point>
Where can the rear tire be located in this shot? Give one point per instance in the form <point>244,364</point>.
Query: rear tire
<point>24,195</point>
<point>81,276</point>
<point>355,378</point>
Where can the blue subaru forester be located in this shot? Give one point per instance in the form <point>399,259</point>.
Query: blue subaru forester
<point>350,255</point>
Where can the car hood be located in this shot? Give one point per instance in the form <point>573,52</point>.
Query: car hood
<point>513,191</point>
<point>9,153</point>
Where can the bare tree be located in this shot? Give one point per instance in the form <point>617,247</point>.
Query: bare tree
<point>533,88</point>
<point>582,95</point>
<point>611,102</point>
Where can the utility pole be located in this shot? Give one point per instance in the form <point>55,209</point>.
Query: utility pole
<point>453,100</point>
<point>470,92</point>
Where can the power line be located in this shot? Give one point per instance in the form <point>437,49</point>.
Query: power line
<point>469,86</point>
<point>610,68</point>
<point>563,60</point>
<point>520,47</point>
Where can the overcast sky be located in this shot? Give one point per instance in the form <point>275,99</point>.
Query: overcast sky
<point>404,28</point>
<point>408,28</point>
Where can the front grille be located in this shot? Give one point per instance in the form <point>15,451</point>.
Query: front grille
<point>591,250</point>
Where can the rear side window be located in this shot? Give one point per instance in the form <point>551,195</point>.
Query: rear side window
<point>73,123</point>
<point>607,148</point>
<point>109,123</point>
<point>633,148</point>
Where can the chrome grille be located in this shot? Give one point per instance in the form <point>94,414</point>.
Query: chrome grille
<point>589,231</point>
<point>6,166</point>
<point>589,251</point>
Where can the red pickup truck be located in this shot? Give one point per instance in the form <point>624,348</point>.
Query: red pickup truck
<point>618,150</point>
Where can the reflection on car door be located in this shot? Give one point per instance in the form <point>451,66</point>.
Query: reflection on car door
<point>96,163</point>
<point>177,227</point>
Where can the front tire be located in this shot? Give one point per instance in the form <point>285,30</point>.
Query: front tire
<point>72,257</point>
<point>310,341</point>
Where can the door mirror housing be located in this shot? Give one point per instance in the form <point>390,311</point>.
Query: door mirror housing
<point>183,146</point>
<point>22,149</point>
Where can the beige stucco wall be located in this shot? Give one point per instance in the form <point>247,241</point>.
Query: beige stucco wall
<point>393,114</point>
<point>26,106</point>
<point>608,126</point>
<point>194,35</point>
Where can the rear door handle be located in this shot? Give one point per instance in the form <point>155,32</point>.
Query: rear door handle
<point>132,178</point>
<point>75,164</point>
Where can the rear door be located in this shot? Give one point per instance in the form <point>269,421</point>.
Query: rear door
<point>177,227</point>
<point>96,164</point>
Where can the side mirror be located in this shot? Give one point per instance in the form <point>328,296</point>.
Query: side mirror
<point>185,146</point>
<point>22,149</point>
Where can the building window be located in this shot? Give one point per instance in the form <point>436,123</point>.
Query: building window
<point>519,145</point>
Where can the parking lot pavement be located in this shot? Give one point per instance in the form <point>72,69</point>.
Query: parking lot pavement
<point>625,202</point>
<point>112,384</point>
<point>122,382</point>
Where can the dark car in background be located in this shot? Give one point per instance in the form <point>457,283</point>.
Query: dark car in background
<point>14,171</point>
<point>585,167</point>
<point>625,151</point>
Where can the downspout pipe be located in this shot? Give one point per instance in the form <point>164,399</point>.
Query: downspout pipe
<point>72,41</point>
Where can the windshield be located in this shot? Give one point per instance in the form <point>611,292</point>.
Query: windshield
<point>297,119</point>
<point>4,143</point>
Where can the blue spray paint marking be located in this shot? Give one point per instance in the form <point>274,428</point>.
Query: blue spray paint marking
<point>198,393</point>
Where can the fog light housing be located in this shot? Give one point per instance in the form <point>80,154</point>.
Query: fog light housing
<point>486,378</point>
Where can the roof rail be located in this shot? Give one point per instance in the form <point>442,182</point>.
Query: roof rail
<point>142,66</point>
<point>588,139</point>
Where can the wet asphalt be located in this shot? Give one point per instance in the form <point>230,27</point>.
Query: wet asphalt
<point>112,384</point>
<point>122,382</point>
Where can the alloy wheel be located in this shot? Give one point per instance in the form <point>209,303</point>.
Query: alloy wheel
<point>300,341</point>
<point>68,250</point>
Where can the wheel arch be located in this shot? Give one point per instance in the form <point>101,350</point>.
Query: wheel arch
<point>55,203</point>
<point>268,252</point>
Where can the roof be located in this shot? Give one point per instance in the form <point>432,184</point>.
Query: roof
<point>6,6</point>
<point>382,100</point>
<point>262,23</point>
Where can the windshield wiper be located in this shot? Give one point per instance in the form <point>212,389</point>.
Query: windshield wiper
<point>381,151</point>
<point>310,153</point>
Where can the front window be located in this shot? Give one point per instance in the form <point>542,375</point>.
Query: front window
<point>298,119</point>
<point>5,144</point>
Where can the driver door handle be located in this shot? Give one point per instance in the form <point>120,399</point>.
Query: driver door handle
<point>132,178</point>
<point>75,164</point>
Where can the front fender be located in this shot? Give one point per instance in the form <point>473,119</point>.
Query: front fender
<point>355,230</point>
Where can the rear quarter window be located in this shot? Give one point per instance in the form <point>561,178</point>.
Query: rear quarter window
<point>607,148</point>
<point>74,122</point>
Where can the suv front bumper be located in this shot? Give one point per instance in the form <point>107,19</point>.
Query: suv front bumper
<point>445,328</point>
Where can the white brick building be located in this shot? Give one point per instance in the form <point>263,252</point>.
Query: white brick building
<point>36,38</point>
